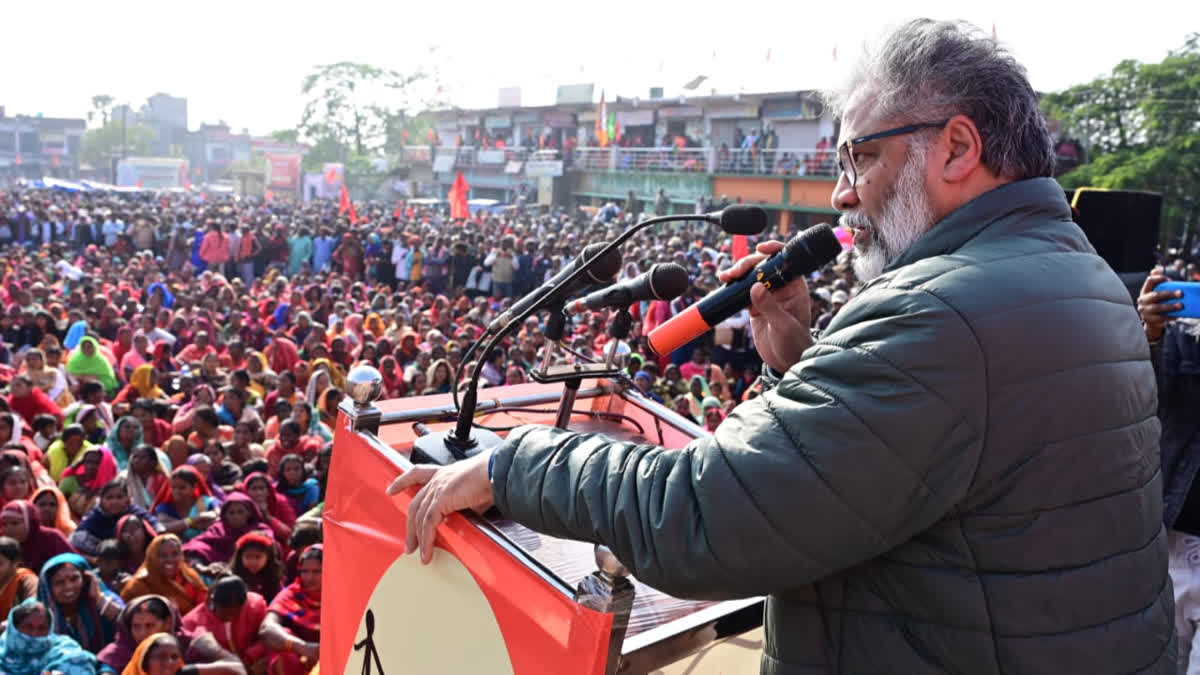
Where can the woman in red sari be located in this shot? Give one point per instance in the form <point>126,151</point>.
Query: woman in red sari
<point>292,629</point>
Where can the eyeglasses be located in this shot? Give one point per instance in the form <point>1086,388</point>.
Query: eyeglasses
<point>846,149</point>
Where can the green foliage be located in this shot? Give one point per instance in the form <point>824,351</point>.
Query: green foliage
<point>101,103</point>
<point>103,143</point>
<point>1141,125</point>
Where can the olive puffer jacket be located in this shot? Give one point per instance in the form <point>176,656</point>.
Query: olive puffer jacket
<point>960,476</point>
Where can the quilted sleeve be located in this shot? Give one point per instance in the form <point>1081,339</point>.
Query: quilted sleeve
<point>868,440</point>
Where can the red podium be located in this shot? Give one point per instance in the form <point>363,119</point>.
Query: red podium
<point>499,598</point>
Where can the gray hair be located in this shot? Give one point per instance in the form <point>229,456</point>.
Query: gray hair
<point>930,70</point>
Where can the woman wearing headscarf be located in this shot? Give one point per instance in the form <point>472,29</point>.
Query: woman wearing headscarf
<point>317,384</point>
<point>81,606</point>
<point>150,615</point>
<point>28,647</point>
<point>184,505</point>
<point>203,396</point>
<point>89,361</point>
<point>75,334</point>
<point>39,543</point>
<point>280,318</point>
<point>160,358</point>
<point>282,354</point>
<point>28,401</point>
<point>239,515</point>
<point>308,417</point>
<point>146,475</point>
<point>697,392</point>
<point>53,510</point>
<point>292,629</point>
<point>337,375</point>
<point>292,479</point>
<point>82,481</point>
<point>713,412</point>
<point>276,510</point>
<point>374,324</point>
<point>143,383</point>
<point>125,435</point>
<point>49,380</point>
<point>164,572</point>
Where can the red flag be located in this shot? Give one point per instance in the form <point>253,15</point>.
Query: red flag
<point>396,211</point>
<point>458,198</point>
<point>268,196</point>
<point>344,204</point>
<point>353,215</point>
<point>741,246</point>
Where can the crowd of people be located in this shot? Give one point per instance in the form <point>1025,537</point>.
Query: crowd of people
<point>174,366</point>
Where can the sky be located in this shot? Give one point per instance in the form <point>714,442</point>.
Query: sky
<point>243,61</point>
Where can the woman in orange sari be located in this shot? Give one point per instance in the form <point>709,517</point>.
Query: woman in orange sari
<point>166,573</point>
<point>55,513</point>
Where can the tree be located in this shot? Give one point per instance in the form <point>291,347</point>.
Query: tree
<point>101,104</point>
<point>1141,125</point>
<point>99,145</point>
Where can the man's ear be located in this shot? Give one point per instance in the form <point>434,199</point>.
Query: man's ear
<point>963,148</point>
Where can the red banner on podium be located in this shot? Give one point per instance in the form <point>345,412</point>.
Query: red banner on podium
<point>477,608</point>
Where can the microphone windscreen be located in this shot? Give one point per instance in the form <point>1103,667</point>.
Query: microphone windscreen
<point>668,281</point>
<point>606,267</point>
<point>815,247</point>
<point>743,219</point>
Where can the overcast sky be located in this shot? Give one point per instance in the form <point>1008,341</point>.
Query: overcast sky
<point>243,61</point>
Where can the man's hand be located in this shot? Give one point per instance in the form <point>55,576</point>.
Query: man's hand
<point>446,489</point>
<point>780,320</point>
<point>1152,304</point>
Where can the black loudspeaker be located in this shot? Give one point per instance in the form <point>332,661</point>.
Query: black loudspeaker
<point>1122,226</point>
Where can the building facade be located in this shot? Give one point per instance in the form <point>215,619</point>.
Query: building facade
<point>772,149</point>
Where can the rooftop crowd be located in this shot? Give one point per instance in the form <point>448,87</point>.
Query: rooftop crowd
<point>174,365</point>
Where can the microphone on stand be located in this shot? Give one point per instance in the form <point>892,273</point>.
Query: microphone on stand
<point>588,268</point>
<point>600,268</point>
<point>805,253</point>
<point>664,281</point>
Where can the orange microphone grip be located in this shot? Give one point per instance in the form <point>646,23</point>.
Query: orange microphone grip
<point>678,331</point>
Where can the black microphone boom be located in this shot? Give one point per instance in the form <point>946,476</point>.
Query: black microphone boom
<point>600,270</point>
<point>664,281</point>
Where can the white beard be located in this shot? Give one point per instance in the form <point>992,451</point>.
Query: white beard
<point>907,215</point>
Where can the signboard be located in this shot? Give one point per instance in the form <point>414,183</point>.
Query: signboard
<point>539,168</point>
<point>153,173</point>
<point>444,162</point>
<point>635,118</point>
<point>510,97</point>
<point>557,120</point>
<point>283,172</point>
<point>52,143</point>
<point>497,122</point>
<point>735,112</point>
<point>678,113</point>
<point>545,191</point>
<point>805,109</point>
<point>574,93</point>
<point>490,156</point>
<point>513,167</point>
<point>333,174</point>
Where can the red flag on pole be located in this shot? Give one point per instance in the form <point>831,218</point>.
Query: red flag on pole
<point>396,211</point>
<point>344,201</point>
<point>458,198</point>
<point>741,246</point>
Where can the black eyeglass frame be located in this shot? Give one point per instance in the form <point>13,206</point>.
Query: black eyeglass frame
<point>845,151</point>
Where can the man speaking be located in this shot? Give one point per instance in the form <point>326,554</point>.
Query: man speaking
<point>961,475</point>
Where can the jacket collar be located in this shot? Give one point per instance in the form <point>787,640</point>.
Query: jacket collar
<point>1042,197</point>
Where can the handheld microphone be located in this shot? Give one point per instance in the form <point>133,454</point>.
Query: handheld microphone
<point>599,271</point>
<point>804,254</point>
<point>664,281</point>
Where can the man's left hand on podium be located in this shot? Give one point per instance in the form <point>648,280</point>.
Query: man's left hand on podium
<point>444,490</point>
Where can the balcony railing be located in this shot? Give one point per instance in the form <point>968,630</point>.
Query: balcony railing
<point>781,161</point>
